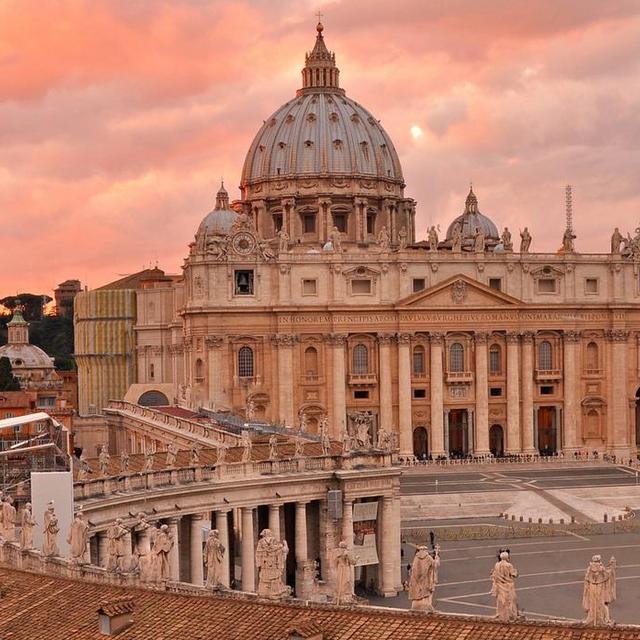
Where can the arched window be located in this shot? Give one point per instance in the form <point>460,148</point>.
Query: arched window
<point>545,356</point>
<point>418,360</point>
<point>245,362</point>
<point>199,369</point>
<point>456,358</point>
<point>495,360</point>
<point>360,359</point>
<point>151,371</point>
<point>592,356</point>
<point>311,361</point>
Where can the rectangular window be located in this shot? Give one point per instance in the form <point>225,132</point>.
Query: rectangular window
<point>419,393</point>
<point>547,285</point>
<point>46,402</point>
<point>591,286</point>
<point>309,287</point>
<point>244,282</point>
<point>495,283</point>
<point>371,223</point>
<point>277,222</point>
<point>361,286</point>
<point>340,221</point>
<point>546,390</point>
<point>418,284</point>
<point>309,222</point>
<point>360,394</point>
<point>495,392</point>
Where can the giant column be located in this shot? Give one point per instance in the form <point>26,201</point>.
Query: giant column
<point>174,554</point>
<point>390,555</point>
<point>347,522</point>
<point>513,393</point>
<point>482,394</point>
<point>222,525</point>
<point>248,551</point>
<point>570,340</point>
<point>196,548</point>
<point>274,520</point>
<point>404,394</point>
<point>618,434</point>
<point>217,376</point>
<point>528,440</point>
<point>301,544</point>
<point>337,342</point>
<point>437,399</point>
<point>284,345</point>
<point>386,388</point>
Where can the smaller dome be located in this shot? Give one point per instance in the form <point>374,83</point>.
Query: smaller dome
<point>472,219</point>
<point>25,356</point>
<point>221,219</point>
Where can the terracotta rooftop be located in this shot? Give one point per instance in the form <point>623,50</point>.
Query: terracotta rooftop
<point>38,607</point>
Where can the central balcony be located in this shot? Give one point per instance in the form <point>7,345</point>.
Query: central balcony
<point>459,377</point>
<point>363,378</point>
<point>544,375</point>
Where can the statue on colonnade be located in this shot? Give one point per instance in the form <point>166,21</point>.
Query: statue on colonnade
<point>103,460</point>
<point>78,538</point>
<point>344,561</point>
<point>214,553</point>
<point>599,591</point>
<point>50,532</point>
<point>9,518</point>
<point>504,589</point>
<point>271,557</point>
<point>162,544</point>
<point>28,522</point>
<point>424,578</point>
<point>117,551</point>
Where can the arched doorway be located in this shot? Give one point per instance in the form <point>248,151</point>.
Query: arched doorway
<point>496,440</point>
<point>547,431</point>
<point>420,443</point>
<point>153,399</point>
<point>458,433</point>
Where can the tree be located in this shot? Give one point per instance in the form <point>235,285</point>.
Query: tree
<point>8,382</point>
<point>33,304</point>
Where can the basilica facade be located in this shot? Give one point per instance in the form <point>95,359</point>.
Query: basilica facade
<point>312,299</point>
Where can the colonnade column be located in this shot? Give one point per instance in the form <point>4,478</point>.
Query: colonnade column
<point>528,444</point>
<point>248,560</point>
<point>390,548</point>
<point>482,394</point>
<point>174,554</point>
<point>274,520</point>
<point>196,564</point>
<point>301,544</point>
<point>513,393</point>
<point>386,388</point>
<point>437,400</point>
<point>347,522</point>
<point>222,525</point>
<point>570,344</point>
<point>337,342</point>
<point>404,394</point>
<point>284,345</point>
<point>102,548</point>
<point>618,434</point>
<point>215,373</point>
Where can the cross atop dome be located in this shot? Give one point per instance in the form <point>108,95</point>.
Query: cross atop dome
<point>320,69</point>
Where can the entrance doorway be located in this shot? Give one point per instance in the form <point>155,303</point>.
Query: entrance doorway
<point>547,431</point>
<point>496,440</point>
<point>420,443</point>
<point>458,433</point>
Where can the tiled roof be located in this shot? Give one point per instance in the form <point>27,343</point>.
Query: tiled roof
<point>38,607</point>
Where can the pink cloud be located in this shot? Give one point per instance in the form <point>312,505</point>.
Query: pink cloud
<point>117,118</point>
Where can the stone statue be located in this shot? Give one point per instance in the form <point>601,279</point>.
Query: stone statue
<point>172,454</point>
<point>271,557</point>
<point>103,460</point>
<point>83,467</point>
<point>195,455</point>
<point>346,442</point>
<point>214,552</point>
<point>245,442</point>
<point>299,450</point>
<point>336,239</point>
<point>124,462</point>
<point>50,532</point>
<point>221,453</point>
<point>283,240</point>
<point>402,238</point>
<point>384,239</point>
<point>142,557</point>
<point>456,238</point>
<point>616,242</point>
<point>304,421</point>
<point>273,446</point>
<point>504,589</point>
<point>217,247</point>
<point>433,239</point>
<point>250,410</point>
<point>424,578</point>
<point>478,241</point>
<point>525,240</point>
<point>344,563</point>
<point>505,238</point>
<point>148,460</point>
<point>265,249</point>
<point>567,241</point>
<point>162,545</point>
<point>117,552</point>
<point>362,424</point>
<point>384,440</point>
<point>26,532</point>
<point>325,443</point>
<point>78,538</point>
<point>9,518</point>
<point>599,591</point>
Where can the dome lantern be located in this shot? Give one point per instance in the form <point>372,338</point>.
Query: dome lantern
<point>320,71</point>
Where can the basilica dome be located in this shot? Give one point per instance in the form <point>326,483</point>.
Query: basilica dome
<point>321,132</point>
<point>472,219</point>
<point>221,219</point>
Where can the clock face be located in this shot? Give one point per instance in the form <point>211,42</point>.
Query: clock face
<point>243,243</point>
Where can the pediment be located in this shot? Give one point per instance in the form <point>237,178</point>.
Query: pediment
<point>459,291</point>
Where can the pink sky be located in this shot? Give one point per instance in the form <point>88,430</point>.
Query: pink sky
<point>117,117</point>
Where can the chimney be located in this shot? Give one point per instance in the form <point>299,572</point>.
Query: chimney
<point>115,616</point>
